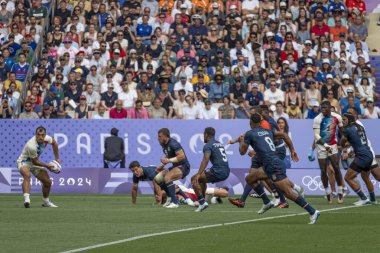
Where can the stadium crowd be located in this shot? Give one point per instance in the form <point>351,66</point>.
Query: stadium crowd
<point>198,59</point>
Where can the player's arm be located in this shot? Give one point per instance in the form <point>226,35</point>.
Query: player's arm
<point>157,192</point>
<point>135,187</point>
<point>243,146</point>
<point>202,167</point>
<point>289,143</point>
<point>233,141</point>
<point>55,151</point>
<point>180,156</point>
<point>37,162</point>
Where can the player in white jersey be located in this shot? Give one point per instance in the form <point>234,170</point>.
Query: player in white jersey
<point>29,163</point>
<point>325,130</point>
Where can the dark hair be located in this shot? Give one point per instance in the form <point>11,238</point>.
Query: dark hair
<point>134,164</point>
<point>279,103</point>
<point>286,128</point>
<point>210,131</point>
<point>164,131</point>
<point>40,128</point>
<point>256,118</point>
<point>327,103</point>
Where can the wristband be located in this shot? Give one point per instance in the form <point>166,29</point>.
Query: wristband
<point>174,160</point>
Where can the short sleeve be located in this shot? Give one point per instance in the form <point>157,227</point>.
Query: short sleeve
<point>48,139</point>
<point>207,149</point>
<point>135,179</point>
<point>317,122</point>
<point>176,146</point>
<point>32,152</point>
<point>247,138</point>
<point>339,118</point>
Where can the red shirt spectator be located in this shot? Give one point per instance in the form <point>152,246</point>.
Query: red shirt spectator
<point>320,29</point>
<point>118,112</point>
<point>358,4</point>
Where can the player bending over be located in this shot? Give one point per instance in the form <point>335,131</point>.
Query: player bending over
<point>212,151</point>
<point>261,140</point>
<point>29,163</point>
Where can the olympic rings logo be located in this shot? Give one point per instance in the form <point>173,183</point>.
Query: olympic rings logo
<point>313,183</point>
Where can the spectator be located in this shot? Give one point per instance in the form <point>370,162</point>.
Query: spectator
<point>138,112</point>
<point>109,97</point>
<point>218,89</point>
<point>312,95</point>
<point>118,112</point>
<point>314,110</point>
<point>237,90</point>
<point>183,84</point>
<point>101,113</point>
<point>273,94</point>
<point>35,107</point>
<point>127,96</point>
<point>167,99</point>
<point>254,97</point>
<point>226,111</point>
<point>21,68</point>
<point>293,110</point>
<point>114,156</point>
<point>352,103</point>
<point>371,111</point>
<point>81,111</point>
<point>279,112</point>
<point>343,102</point>
<point>209,112</point>
<point>156,111</point>
<point>191,111</point>
<point>92,97</point>
<point>179,104</point>
<point>242,111</point>
<point>5,108</point>
<point>28,112</point>
<point>147,96</point>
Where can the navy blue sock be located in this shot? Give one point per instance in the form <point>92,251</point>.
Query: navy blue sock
<point>361,194</point>
<point>372,196</point>
<point>201,199</point>
<point>302,203</point>
<point>247,190</point>
<point>260,191</point>
<point>163,187</point>
<point>180,192</point>
<point>171,192</point>
<point>278,194</point>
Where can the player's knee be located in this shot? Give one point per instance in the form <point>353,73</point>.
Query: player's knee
<point>347,178</point>
<point>47,183</point>
<point>26,177</point>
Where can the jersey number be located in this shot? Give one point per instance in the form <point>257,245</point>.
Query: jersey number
<point>224,155</point>
<point>270,143</point>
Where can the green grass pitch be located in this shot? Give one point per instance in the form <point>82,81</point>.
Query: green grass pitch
<point>87,220</point>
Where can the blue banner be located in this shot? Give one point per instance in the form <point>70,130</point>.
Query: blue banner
<point>81,142</point>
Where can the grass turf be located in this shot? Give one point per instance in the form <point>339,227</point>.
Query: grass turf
<point>85,220</point>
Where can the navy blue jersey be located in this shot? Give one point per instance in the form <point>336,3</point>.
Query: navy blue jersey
<point>149,174</point>
<point>261,140</point>
<point>171,149</point>
<point>357,137</point>
<point>274,127</point>
<point>218,156</point>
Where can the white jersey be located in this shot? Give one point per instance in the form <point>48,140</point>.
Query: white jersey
<point>33,150</point>
<point>209,190</point>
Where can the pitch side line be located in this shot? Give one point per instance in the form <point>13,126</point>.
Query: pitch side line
<point>198,228</point>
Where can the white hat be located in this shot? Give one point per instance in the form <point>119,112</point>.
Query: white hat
<point>345,76</point>
<point>132,51</point>
<point>272,108</point>
<point>308,42</point>
<point>350,90</point>
<point>250,15</point>
<point>326,61</point>
<point>269,34</point>
<point>238,19</point>
<point>325,50</point>
<point>196,16</point>
<point>309,61</point>
<point>329,76</point>
<point>314,103</point>
<point>233,7</point>
<point>255,85</point>
<point>215,5</point>
<point>343,59</point>
<point>282,4</point>
<point>285,62</point>
<point>183,6</point>
<point>271,7</point>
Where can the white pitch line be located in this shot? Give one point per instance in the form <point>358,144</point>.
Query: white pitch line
<point>198,228</point>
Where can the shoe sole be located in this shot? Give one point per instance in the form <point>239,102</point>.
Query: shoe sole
<point>201,209</point>
<point>237,205</point>
<point>27,205</point>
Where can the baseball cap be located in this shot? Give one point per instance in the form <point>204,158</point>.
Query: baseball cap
<point>53,89</point>
<point>329,76</point>
<point>314,103</point>
<point>183,6</point>
<point>215,5</point>
<point>110,85</point>
<point>11,35</point>
<point>82,97</point>
<point>66,40</point>
<point>285,62</point>
<point>325,50</point>
<point>255,85</point>
<point>46,106</point>
<point>195,16</point>
<point>80,52</point>
<point>342,34</point>
<point>343,59</point>
<point>345,76</point>
<point>207,101</point>
<point>78,70</point>
<point>350,90</point>
<point>326,61</point>
<point>282,4</point>
<point>132,51</point>
<point>272,108</point>
<point>109,74</point>
<point>116,51</point>
<point>233,7</point>
<point>308,42</point>
<point>183,76</point>
<point>269,34</point>
<point>370,99</point>
<point>186,50</point>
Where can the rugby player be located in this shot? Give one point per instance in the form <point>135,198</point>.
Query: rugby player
<point>29,163</point>
<point>262,141</point>
<point>325,132</point>
<point>364,161</point>
<point>213,195</point>
<point>174,154</point>
<point>212,151</point>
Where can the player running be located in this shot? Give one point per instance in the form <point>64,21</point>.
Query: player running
<point>261,140</point>
<point>174,154</point>
<point>212,151</point>
<point>325,131</point>
<point>357,137</point>
<point>28,162</point>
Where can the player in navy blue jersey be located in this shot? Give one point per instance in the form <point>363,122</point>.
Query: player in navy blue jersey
<point>262,141</point>
<point>146,173</point>
<point>357,137</point>
<point>212,151</point>
<point>174,154</point>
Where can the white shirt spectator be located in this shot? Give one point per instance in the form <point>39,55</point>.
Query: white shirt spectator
<point>374,115</point>
<point>188,87</point>
<point>250,5</point>
<point>209,114</point>
<point>276,116</point>
<point>275,96</point>
<point>128,98</point>
<point>188,71</point>
<point>104,87</point>
<point>193,112</point>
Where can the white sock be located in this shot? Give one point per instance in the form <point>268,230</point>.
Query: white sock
<point>327,190</point>
<point>46,200</point>
<point>297,187</point>
<point>26,197</point>
<point>340,189</point>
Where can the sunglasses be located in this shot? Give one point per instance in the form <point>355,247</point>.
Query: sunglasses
<point>93,69</point>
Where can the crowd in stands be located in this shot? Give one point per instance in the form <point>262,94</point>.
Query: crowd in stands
<point>186,59</point>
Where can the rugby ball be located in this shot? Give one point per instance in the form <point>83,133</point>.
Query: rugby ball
<point>56,166</point>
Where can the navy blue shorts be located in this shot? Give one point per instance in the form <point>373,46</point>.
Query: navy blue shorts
<point>184,168</point>
<point>361,163</point>
<point>276,170</point>
<point>217,176</point>
<point>256,163</point>
<point>281,152</point>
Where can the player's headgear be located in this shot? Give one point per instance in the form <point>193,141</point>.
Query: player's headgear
<point>210,131</point>
<point>134,164</point>
<point>256,118</point>
<point>350,118</point>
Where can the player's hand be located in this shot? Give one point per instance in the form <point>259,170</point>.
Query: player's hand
<point>59,161</point>
<point>195,179</point>
<point>159,169</point>
<point>295,156</point>
<point>231,142</point>
<point>50,167</point>
<point>344,156</point>
<point>164,160</point>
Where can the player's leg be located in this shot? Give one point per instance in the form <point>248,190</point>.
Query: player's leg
<point>255,163</point>
<point>334,159</point>
<point>331,177</point>
<point>371,191</point>
<point>25,173</point>
<point>43,176</point>
<point>279,198</point>
<point>297,188</point>
<point>252,179</point>
<point>200,187</point>
<point>284,185</point>
<point>160,180</point>
<point>325,181</point>
<point>170,176</point>
<point>350,177</point>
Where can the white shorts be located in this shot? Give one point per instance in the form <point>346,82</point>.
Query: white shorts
<point>323,154</point>
<point>35,170</point>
